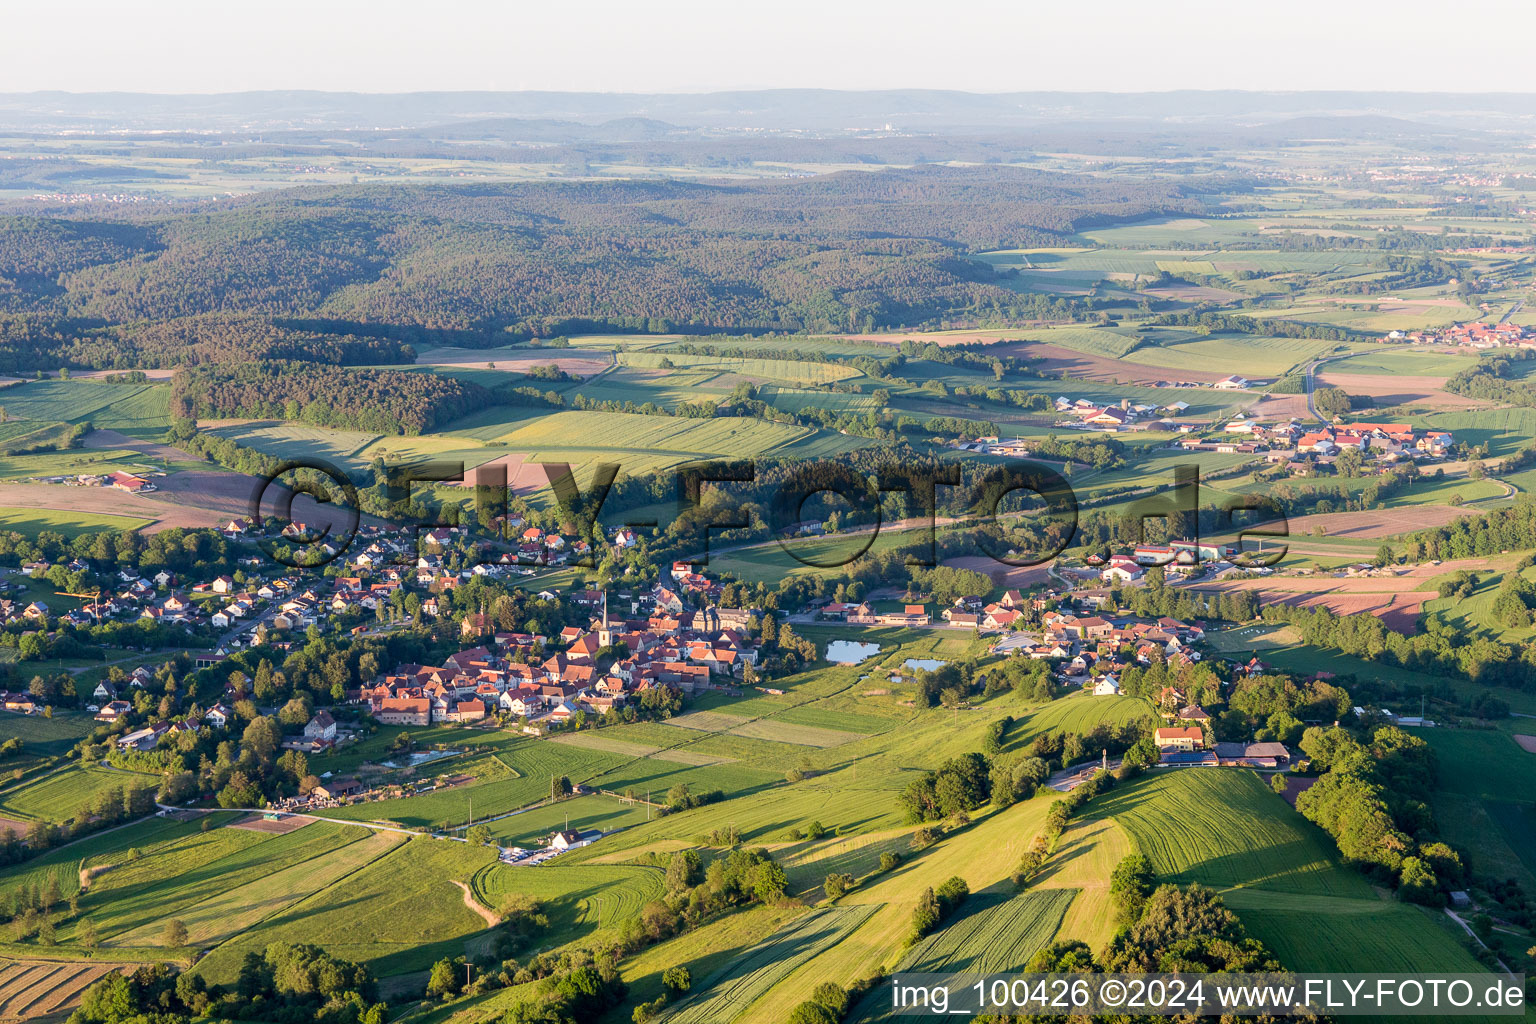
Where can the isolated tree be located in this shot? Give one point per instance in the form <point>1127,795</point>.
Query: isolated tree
<point>479,835</point>
<point>677,979</point>
<point>86,935</point>
<point>444,979</point>
<point>175,932</point>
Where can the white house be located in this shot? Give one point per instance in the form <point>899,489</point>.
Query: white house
<point>322,728</point>
<point>1107,686</point>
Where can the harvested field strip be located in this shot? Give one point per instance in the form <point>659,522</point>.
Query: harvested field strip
<point>707,721</point>
<point>997,933</point>
<point>45,988</point>
<point>826,714</point>
<point>695,758</point>
<point>20,977</point>
<point>227,914</point>
<point>31,989</point>
<point>789,732</point>
<point>593,741</point>
<point>731,990</point>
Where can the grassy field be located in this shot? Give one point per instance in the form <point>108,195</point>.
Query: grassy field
<point>771,563</point>
<point>1108,341</point>
<point>579,898</point>
<point>1474,613</point>
<point>996,933</point>
<point>529,765</point>
<point>638,443</point>
<point>58,795</point>
<point>1486,782</point>
<point>1306,660</point>
<point>282,879</point>
<point>139,409</point>
<point>1504,431</point>
<point>210,879</point>
<point>533,827</point>
<point>32,521</point>
<point>49,736</point>
<point>799,399</point>
<point>297,441</point>
<point>110,847</point>
<point>1079,712</point>
<point>791,371</point>
<point>1251,356</point>
<point>1367,934</point>
<point>398,914</point>
<point>726,993</point>
<point>1408,362</point>
<point>1225,829</point>
<point>1280,874</point>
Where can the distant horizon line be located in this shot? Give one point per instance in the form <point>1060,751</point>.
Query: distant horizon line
<point>874,90</point>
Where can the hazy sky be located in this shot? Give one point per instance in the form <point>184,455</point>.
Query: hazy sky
<point>688,46</point>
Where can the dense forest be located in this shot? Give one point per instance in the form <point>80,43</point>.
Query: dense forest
<point>348,275</point>
<point>378,401</point>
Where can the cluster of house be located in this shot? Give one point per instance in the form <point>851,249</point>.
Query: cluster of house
<point>1094,648</point>
<point>1478,335</point>
<point>862,613</point>
<point>1176,556</point>
<point>972,612</point>
<point>1292,442</point>
<point>1112,417</point>
<point>674,646</point>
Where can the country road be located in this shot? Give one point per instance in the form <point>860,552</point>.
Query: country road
<point>1311,372</point>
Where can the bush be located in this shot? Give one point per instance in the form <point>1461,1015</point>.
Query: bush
<point>677,979</point>
<point>811,1012</point>
<point>836,884</point>
<point>832,996</point>
<point>889,859</point>
<point>924,838</point>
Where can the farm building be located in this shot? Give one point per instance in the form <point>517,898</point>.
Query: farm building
<point>1179,737</point>
<point>1254,755</point>
<point>335,789</point>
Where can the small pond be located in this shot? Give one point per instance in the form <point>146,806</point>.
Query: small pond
<point>850,652</point>
<point>924,664</point>
<point>420,757</point>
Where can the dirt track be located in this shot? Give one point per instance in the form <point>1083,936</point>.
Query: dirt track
<point>488,916</point>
